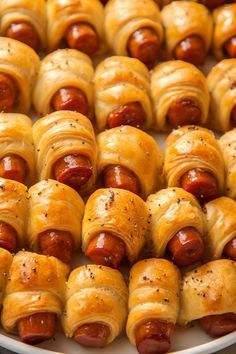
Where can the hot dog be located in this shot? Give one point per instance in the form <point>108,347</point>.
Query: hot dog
<point>83,37</point>
<point>219,325</point>
<point>186,247</point>
<point>144,45</point>
<point>184,112</point>
<point>92,335</point>
<point>201,184</point>
<point>106,249</point>
<point>24,32</point>
<point>230,249</point>
<point>230,47</point>
<point>56,243</point>
<point>117,176</point>
<point>154,337</point>
<point>8,93</point>
<point>192,49</point>
<point>212,4</point>
<point>70,99</point>
<point>8,237</point>
<point>13,167</point>
<point>37,328</point>
<point>73,170</point>
<point>129,114</point>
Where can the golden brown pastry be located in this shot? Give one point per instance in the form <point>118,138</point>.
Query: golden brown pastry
<point>24,20</point>
<point>194,162</point>
<point>66,150</point>
<point>222,87</point>
<point>180,95</point>
<point>188,31</point>
<point>65,82</point>
<point>76,24</point>
<point>153,304</point>
<point>18,69</point>
<point>122,93</point>
<point>177,225</point>
<point>34,296</point>
<point>96,305</point>
<point>130,159</point>
<point>209,293</point>
<point>114,226</point>
<point>134,31</point>
<point>54,219</point>
<point>5,262</point>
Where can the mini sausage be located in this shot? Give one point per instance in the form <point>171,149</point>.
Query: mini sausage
<point>154,337</point>
<point>212,4</point>
<point>184,112</point>
<point>192,49</point>
<point>37,328</point>
<point>117,176</point>
<point>13,167</point>
<point>8,237</point>
<point>144,45</point>
<point>56,243</point>
<point>230,249</point>
<point>83,37</point>
<point>24,32</point>
<point>230,47</point>
<point>73,170</point>
<point>219,325</point>
<point>92,335</point>
<point>70,99</point>
<point>106,249</point>
<point>8,93</point>
<point>131,113</point>
<point>186,247</point>
<point>201,184</point>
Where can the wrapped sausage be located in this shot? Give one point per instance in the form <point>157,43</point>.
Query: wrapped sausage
<point>18,69</point>
<point>208,293</point>
<point>180,95</point>
<point>176,224</point>
<point>114,226</point>
<point>34,296</point>
<point>134,31</point>
<point>188,31</point>
<point>222,88</point>
<point>194,162</point>
<point>25,21</point>
<point>64,83</point>
<point>130,159</point>
<point>153,304</point>
<point>122,93</point>
<point>55,219</point>
<point>5,262</point>
<point>96,305</point>
<point>66,150</point>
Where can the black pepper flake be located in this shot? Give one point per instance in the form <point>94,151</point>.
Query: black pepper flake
<point>46,214</point>
<point>39,193</point>
<point>145,278</point>
<point>178,200</point>
<point>166,299</point>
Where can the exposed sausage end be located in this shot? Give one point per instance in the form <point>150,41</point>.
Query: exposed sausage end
<point>230,249</point>
<point>92,335</point>
<point>82,36</point>
<point>131,113</point>
<point>230,47</point>
<point>8,93</point>
<point>184,112</point>
<point>8,237</point>
<point>192,50</point>
<point>24,32</point>
<point>70,99</point>
<point>219,325</point>
<point>13,167</point>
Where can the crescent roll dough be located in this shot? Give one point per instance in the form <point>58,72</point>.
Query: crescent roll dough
<point>153,294</point>
<point>5,262</point>
<point>136,150</point>
<point>64,13</point>
<point>60,134</point>
<point>54,206</point>
<point>16,138</point>
<point>222,88</point>
<point>118,81</point>
<point>13,207</point>
<point>119,212</point>
<point>192,147</point>
<point>171,210</point>
<point>31,11</point>
<point>172,81</point>
<point>122,19</point>
<point>36,284</point>
<point>208,290</point>
<point>21,63</point>
<point>63,68</point>
<point>95,294</point>
<point>224,19</point>
<point>182,19</point>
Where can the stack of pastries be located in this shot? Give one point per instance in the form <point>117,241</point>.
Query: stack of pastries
<point>84,86</point>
